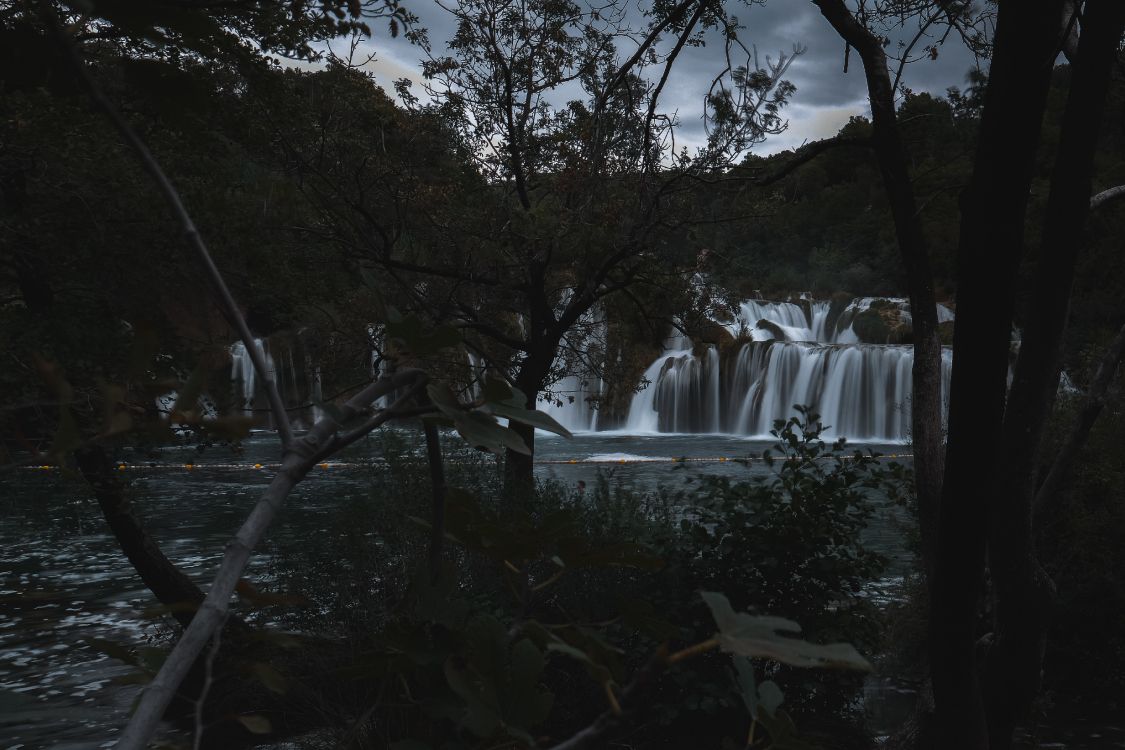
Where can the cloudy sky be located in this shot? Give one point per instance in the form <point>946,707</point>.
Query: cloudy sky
<point>826,97</point>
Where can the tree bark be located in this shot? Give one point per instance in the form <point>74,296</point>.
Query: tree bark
<point>993,210</point>
<point>890,152</point>
<point>519,468</point>
<point>1022,590</point>
<point>168,583</point>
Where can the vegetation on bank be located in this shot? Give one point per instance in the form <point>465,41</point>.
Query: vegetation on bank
<point>596,580</point>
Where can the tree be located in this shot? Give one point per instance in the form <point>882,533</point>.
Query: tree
<point>576,202</point>
<point>975,514</point>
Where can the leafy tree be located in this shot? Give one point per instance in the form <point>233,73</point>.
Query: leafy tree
<point>580,201</point>
<point>965,517</point>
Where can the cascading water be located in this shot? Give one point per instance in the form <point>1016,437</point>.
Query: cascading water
<point>243,374</point>
<point>789,356</point>
<point>780,354</point>
<point>242,371</point>
<point>573,400</point>
<point>573,403</point>
<point>860,391</point>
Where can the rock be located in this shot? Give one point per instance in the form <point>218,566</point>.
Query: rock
<point>839,303</point>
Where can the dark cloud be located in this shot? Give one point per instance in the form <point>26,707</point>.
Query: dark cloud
<point>825,97</point>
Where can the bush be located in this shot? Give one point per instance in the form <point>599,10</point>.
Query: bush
<point>547,609</point>
<point>790,545</point>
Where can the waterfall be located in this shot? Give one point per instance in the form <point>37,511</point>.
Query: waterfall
<point>242,372</point>
<point>675,365</point>
<point>860,391</point>
<point>573,403</point>
<point>246,378</point>
<point>573,400</point>
<point>788,356</point>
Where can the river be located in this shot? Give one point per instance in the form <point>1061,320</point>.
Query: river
<point>64,582</point>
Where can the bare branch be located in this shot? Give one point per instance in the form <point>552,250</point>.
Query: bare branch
<point>609,723</point>
<point>187,225</point>
<point>1092,404</point>
<point>1105,196</point>
<point>804,155</point>
<point>301,457</point>
<point>1070,15</point>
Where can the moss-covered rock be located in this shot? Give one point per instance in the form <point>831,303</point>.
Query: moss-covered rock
<point>710,332</point>
<point>882,323</point>
<point>722,314</point>
<point>870,327</point>
<point>773,328</point>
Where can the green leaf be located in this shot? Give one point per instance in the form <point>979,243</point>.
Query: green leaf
<point>115,650</point>
<point>270,677</point>
<point>421,338</point>
<point>481,431</point>
<point>232,428</point>
<point>481,716</point>
<point>747,683</point>
<point>442,397</point>
<point>531,417</point>
<point>497,391</point>
<point>770,697</point>
<point>766,637</point>
<point>528,703</point>
<point>256,723</point>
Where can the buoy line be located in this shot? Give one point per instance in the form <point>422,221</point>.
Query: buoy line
<point>123,466</point>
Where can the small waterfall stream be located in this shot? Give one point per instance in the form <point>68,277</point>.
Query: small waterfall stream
<point>243,374</point>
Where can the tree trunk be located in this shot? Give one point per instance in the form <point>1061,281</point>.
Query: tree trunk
<point>1023,591</point>
<point>890,152</point>
<point>168,583</point>
<point>993,210</point>
<point>519,468</point>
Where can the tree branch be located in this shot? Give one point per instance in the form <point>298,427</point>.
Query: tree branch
<point>1105,196</point>
<point>598,734</point>
<point>1092,404</point>
<point>805,154</point>
<point>302,456</point>
<point>642,48</point>
<point>1070,15</point>
<point>187,225</point>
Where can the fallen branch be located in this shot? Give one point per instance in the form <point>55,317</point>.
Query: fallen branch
<point>301,457</point>
<point>617,718</point>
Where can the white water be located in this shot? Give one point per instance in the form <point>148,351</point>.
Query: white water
<point>861,391</point>
<point>242,371</point>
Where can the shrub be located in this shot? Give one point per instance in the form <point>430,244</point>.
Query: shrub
<point>551,607</point>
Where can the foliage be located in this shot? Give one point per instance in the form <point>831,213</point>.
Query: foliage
<point>791,546</point>
<point>1081,550</point>
<point>544,614</point>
